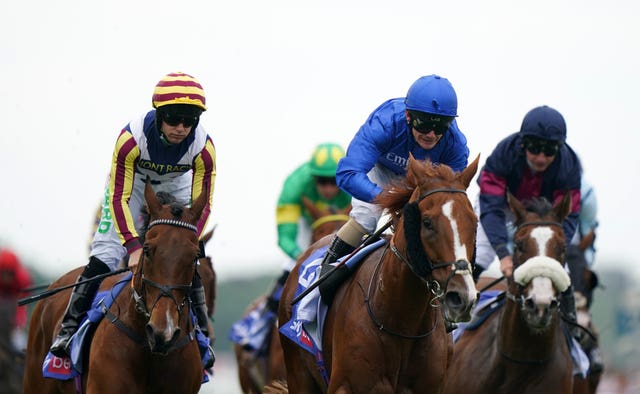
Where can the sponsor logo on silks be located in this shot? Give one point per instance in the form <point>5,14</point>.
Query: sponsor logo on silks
<point>105,217</point>
<point>162,169</point>
<point>397,160</point>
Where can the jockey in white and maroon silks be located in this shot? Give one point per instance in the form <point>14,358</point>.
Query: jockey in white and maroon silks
<point>170,146</point>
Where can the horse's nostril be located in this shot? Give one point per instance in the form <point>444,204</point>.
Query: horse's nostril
<point>453,299</point>
<point>530,303</point>
<point>553,304</point>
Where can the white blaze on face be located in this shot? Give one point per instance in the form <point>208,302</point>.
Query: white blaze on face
<point>459,250</point>
<point>542,286</point>
<point>542,235</point>
<point>171,328</point>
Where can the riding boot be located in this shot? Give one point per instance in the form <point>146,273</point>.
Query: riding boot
<point>273,300</point>
<point>568,311</point>
<point>199,305</point>
<point>79,303</point>
<point>337,249</point>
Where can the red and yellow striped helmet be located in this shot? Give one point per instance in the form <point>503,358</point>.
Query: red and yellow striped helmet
<point>179,88</point>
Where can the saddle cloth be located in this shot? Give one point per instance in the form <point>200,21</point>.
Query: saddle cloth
<point>308,315</point>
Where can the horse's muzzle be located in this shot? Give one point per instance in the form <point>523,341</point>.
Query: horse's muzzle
<point>158,342</point>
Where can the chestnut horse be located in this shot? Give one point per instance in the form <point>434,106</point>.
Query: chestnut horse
<point>521,347</point>
<point>385,330</point>
<point>255,370</point>
<point>156,351</point>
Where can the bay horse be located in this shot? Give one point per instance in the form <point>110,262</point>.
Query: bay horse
<point>521,347</point>
<point>256,370</point>
<point>156,351</point>
<point>384,331</point>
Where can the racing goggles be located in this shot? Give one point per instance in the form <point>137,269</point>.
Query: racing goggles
<point>424,123</point>
<point>174,119</point>
<point>536,146</point>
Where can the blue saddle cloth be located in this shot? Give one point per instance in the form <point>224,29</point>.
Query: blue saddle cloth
<point>308,315</point>
<point>71,367</point>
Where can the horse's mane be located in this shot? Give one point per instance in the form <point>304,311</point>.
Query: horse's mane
<point>398,193</point>
<point>164,198</point>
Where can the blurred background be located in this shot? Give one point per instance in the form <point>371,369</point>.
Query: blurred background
<point>281,77</point>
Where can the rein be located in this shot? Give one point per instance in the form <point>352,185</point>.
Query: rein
<point>367,297</point>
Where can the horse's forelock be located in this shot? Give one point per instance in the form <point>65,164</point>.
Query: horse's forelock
<point>177,210</point>
<point>539,205</point>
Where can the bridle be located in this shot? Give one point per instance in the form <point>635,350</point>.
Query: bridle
<point>422,271</point>
<point>519,299</point>
<point>432,285</point>
<point>165,291</point>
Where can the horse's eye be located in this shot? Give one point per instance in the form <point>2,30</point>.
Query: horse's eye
<point>427,223</point>
<point>146,250</point>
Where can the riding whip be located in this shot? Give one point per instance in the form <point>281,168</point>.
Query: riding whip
<point>28,300</point>
<point>324,277</point>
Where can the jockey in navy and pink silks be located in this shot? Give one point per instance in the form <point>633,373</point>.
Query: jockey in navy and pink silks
<point>534,162</point>
<point>170,147</point>
<point>422,124</point>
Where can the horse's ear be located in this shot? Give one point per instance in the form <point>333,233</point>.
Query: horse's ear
<point>201,202</point>
<point>206,237</point>
<point>562,209</point>
<point>153,205</point>
<point>587,240</point>
<point>468,173</point>
<point>516,207</point>
<point>313,210</point>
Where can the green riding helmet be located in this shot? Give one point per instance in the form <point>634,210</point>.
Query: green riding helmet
<point>325,158</point>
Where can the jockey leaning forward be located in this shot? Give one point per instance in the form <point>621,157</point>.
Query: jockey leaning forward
<point>422,124</point>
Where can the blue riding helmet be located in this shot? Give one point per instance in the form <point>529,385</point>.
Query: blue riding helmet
<point>432,94</point>
<point>546,123</point>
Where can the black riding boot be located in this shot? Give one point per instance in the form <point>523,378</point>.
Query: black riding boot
<point>568,311</point>
<point>337,249</point>
<point>273,300</point>
<point>199,305</point>
<point>79,304</point>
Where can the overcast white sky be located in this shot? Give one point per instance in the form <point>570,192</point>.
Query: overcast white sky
<point>282,76</point>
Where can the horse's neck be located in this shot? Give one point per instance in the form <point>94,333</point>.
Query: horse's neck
<point>402,289</point>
